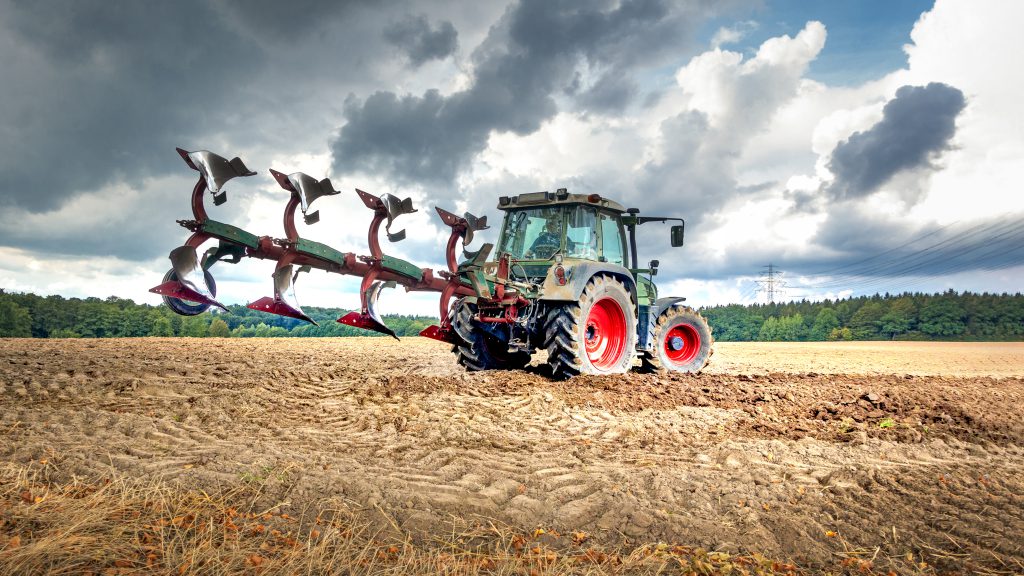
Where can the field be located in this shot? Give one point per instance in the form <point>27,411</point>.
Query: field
<point>370,455</point>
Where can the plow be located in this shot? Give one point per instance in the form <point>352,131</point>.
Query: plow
<point>564,278</point>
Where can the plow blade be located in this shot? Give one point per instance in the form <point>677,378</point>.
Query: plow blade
<point>191,279</point>
<point>437,333</point>
<point>284,302</point>
<point>370,319</point>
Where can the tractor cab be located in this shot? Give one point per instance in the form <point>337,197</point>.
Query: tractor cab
<point>544,226</point>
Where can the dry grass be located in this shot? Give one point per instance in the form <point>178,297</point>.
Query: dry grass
<point>118,525</point>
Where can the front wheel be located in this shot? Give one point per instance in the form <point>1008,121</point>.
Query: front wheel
<point>596,335</point>
<point>186,307</point>
<point>682,342</point>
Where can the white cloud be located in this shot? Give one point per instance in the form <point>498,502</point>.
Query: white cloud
<point>733,34</point>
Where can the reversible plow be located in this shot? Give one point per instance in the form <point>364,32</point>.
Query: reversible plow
<point>189,287</point>
<point>564,277</point>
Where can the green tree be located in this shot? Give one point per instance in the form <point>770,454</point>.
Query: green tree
<point>219,329</point>
<point>15,321</point>
<point>791,328</point>
<point>824,323</point>
<point>864,322</point>
<point>942,317</point>
<point>194,326</point>
<point>841,334</point>
<point>769,330</point>
<point>899,319</point>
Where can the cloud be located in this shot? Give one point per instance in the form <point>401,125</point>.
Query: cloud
<point>419,42</point>
<point>101,92</point>
<point>97,95</point>
<point>727,101</point>
<point>529,58</point>
<point>916,126</point>
<point>733,34</point>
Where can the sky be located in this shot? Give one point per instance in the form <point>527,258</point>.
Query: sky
<point>857,147</point>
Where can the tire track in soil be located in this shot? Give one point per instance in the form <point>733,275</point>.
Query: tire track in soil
<point>737,460</point>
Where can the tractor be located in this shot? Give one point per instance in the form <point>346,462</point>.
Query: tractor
<point>564,282</point>
<point>561,279</point>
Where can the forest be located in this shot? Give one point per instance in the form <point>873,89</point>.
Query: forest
<point>946,316</point>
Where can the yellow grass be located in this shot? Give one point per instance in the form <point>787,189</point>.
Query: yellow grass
<point>118,525</point>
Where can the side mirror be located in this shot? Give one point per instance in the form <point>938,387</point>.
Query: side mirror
<point>677,235</point>
<point>653,265</point>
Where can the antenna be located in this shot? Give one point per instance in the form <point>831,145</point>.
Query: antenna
<point>771,283</point>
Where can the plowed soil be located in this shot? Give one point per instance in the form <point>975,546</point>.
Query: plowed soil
<point>911,455</point>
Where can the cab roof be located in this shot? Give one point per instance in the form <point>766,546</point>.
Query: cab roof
<point>558,197</point>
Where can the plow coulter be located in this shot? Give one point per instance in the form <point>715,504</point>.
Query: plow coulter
<point>561,279</point>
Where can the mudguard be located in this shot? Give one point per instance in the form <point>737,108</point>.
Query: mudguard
<point>578,273</point>
<point>647,320</point>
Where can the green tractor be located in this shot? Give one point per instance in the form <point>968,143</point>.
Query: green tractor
<point>566,280</point>
<point>563,280</point>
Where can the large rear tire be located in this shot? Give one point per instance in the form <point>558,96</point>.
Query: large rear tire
<point>682,342</point>
<point>481,350</point>
<point>596,335</point>
<point>185,307</point>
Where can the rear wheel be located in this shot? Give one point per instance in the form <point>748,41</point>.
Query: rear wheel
<point>596,335</point>
<point>187,307</point>
<point>682,342</point>
<point>481,350</point>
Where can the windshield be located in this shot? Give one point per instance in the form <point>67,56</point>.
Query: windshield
<point>533,233</point>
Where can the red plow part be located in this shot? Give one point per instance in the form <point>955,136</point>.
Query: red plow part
<point>442,335</point>
<point>175,289</point>
<point>268,304</point>
<point>368,318</point>
<point>284,302</point>
<point>462,227</point>
<point>366,322</point>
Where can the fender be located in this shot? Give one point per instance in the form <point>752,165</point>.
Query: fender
<point>578,273</point>
<point>647,321</point>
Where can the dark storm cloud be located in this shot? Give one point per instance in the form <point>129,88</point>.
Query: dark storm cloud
<point>419,42</point>
<point>611,93</point>
<point>529,57</point>
<point>97,92</point>
<point>916,126</point>
<point>292,19</point>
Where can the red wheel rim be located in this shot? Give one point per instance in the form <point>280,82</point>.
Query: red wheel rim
<point>682,343</point>
<point>605,338</point>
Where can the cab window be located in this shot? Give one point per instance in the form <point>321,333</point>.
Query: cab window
<point>581,233</point>
<point>611,239</point>
<point>534,233</point>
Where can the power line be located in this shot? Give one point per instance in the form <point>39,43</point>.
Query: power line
<point>771,284</point>
<point>955,253</point>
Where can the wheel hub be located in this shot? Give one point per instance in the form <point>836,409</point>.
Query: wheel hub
<point>605,334</point>
<point>682,344</point>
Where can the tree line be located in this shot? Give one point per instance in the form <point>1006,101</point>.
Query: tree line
<point>31,316</point>
<point>946,316</point>
<point>910,316</point>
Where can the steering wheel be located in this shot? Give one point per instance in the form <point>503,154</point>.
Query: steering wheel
<point>544,249</point>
